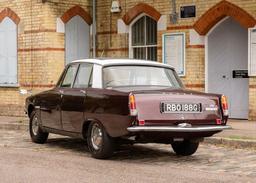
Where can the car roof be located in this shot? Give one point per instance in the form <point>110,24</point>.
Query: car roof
<point>110,62</point>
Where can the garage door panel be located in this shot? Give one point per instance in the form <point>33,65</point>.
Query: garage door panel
<point>228,51</point>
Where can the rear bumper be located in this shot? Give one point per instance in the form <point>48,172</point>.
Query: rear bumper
<point>178,129</point>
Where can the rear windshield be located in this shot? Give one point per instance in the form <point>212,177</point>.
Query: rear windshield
<point>125,76</point>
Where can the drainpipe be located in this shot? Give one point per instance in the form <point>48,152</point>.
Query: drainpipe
<point>174,15</point>
<point>94,28</point>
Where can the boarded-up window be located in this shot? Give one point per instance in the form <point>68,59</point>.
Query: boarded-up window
<point>252,52</point>
<point>77,43</point>
<point>8,52</point>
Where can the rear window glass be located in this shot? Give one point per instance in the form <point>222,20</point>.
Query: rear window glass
<point>119,76</point>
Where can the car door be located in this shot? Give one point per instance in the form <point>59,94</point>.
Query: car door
<point>72,105</point>
<point>50,106</point>
<point>50,109</point>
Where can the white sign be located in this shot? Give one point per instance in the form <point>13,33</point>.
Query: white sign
<point>174,51</point>
<point>252,52</point>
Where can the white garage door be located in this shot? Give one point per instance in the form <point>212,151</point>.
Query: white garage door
<point>77,44</point>
<point>8,52</point>
<point>228,51</point>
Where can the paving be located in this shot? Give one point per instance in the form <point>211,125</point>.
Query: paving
<point>242,129</point>
<point>13,123</point>
<point>64,159</point>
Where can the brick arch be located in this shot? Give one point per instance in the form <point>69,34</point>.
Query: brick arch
<point>218,12</point>
<point>76,10</point>
<point>137,10</point>
<point>7,12</point>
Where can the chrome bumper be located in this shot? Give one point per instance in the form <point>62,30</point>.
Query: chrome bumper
<point>177,129</point>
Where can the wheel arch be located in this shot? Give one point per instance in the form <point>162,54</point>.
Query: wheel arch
<point>86,125</point>
<point>31,108</point>
<point>115,127</point>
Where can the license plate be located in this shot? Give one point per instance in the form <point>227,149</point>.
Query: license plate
<point>180,107</point>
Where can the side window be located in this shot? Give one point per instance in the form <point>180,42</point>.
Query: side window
<point>83,79</point>
<point>69,77</point>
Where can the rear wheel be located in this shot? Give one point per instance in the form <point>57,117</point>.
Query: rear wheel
<point>36,133</point>
<point>185,148</point>
<point>100,144</point>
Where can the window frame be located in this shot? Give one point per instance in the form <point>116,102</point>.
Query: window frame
<point>131,47</point>
<point>13,85</point>
<point>250,52</point>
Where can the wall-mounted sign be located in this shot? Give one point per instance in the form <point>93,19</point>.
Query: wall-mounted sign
<point>240,74</point>
<point>252,52</point>
<point>187,11</point>
<point>174,51</point>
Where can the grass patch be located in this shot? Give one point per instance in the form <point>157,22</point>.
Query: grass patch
<point>235,137</point>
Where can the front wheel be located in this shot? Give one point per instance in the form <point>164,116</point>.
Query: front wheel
<point>185,148</point>
<point>36,133</point>
<point>100,144</point>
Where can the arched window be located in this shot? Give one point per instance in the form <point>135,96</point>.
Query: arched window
<point>143,42</point>
<point>77,42</point>
<point>8,52</point>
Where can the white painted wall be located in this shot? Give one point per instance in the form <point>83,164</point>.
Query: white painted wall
<point>195,38</point>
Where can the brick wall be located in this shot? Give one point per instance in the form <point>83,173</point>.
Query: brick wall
<point>40,48</point>
<point>252,99</point>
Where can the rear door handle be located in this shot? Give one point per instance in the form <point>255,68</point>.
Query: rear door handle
<point>61,93</point>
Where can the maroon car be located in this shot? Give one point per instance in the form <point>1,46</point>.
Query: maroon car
<point>113,101</point>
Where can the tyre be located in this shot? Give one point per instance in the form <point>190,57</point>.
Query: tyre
<point>36,133</point>
<point>100,144</point>
<point>185,148</point>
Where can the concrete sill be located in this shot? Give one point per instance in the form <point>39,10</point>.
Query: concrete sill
<point>9,85</point>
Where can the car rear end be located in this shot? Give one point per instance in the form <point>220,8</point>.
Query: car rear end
<point>161,107</point>
<point>177,113</point>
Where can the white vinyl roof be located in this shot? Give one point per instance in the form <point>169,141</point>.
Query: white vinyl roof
<point>109,62</point>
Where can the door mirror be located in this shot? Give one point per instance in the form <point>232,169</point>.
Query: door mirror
<point>25,92</point>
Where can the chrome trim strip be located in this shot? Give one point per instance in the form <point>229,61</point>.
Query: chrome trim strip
<point>177,129</point>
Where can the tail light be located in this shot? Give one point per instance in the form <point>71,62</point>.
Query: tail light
<point>224,104</point>
<point>132,105</point>
<point>218,121</point>
<point>141,122</point>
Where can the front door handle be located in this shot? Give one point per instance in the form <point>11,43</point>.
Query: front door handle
<point>83,91</point>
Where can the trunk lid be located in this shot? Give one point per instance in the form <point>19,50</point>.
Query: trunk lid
<point>149,105</point>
